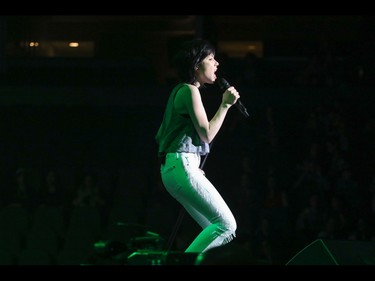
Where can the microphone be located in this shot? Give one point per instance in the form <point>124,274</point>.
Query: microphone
<point>223,84</point>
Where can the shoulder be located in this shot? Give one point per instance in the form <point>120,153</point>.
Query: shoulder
<point>185,97</point>
<point>188,90</point>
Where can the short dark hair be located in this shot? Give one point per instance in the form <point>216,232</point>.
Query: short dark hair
<point>189,56</point>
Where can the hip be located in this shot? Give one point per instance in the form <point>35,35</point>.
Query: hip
<point>181,160</point>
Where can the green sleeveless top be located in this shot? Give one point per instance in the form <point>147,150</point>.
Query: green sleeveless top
<point>177,132</point>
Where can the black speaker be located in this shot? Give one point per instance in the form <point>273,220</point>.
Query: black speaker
<point>336,252</point>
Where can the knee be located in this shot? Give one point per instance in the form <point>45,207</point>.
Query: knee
<point>231,225</point>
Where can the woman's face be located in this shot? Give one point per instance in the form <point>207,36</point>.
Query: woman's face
<point>205,73</point>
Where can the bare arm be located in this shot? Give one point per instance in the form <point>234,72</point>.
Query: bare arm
<point>189,101</point>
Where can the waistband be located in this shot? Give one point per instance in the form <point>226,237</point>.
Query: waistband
<point>162,158</point>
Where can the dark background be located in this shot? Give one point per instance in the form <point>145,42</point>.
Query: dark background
<point>97,109</point>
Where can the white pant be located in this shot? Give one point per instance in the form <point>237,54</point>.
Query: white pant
<point>184,180</point>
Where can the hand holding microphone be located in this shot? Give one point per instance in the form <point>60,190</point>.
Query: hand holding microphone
<point>223,84</point>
